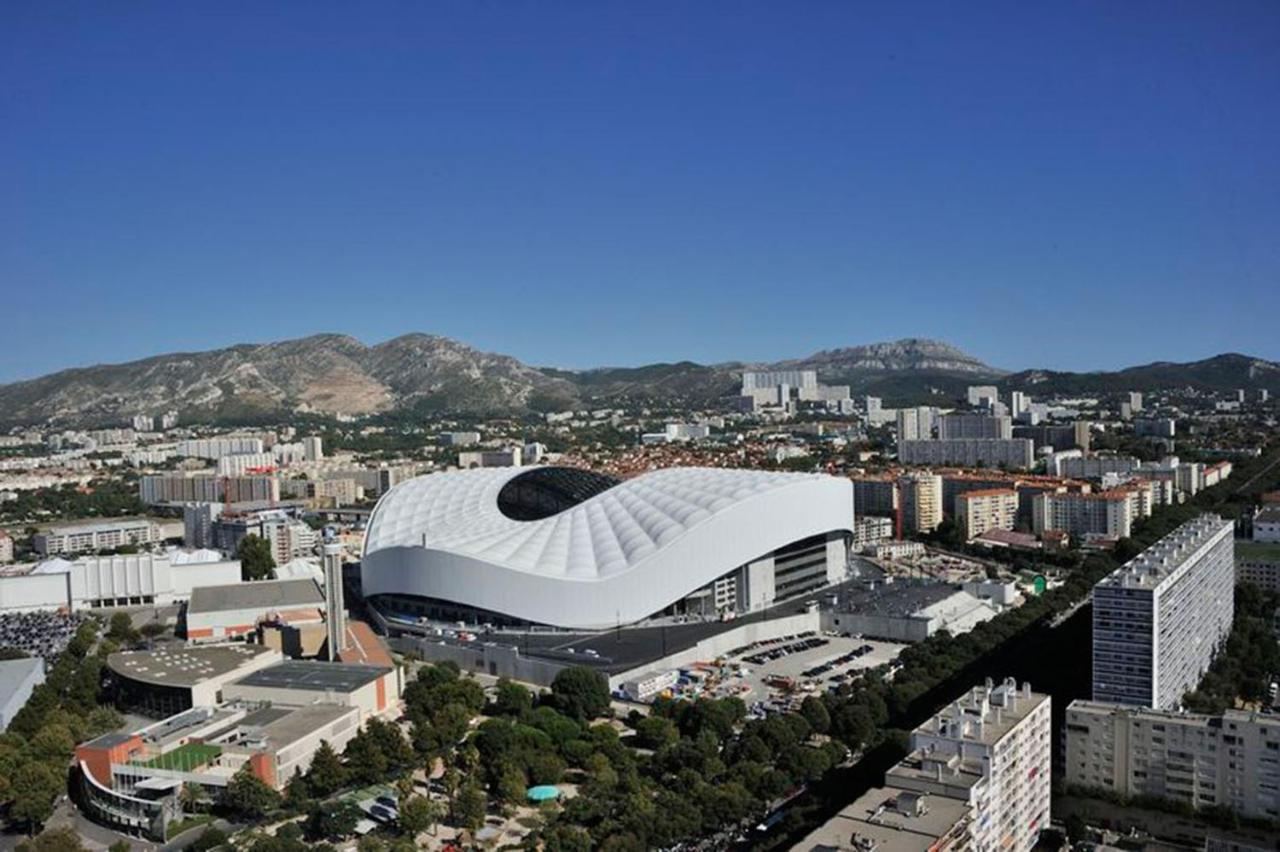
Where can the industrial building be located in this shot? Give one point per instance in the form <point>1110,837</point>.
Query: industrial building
<point>977,777</point>
<point>140,579</point>
<point>18,678</point>
<point>1230,761</point>
<point>576,549</point>
<point>908,611</point>
<point>1159,619</point>
<point>219,613</point>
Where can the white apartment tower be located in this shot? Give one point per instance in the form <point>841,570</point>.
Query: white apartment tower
<point>1159,619</point>
<point>991,748</point>
<point>335,621</point>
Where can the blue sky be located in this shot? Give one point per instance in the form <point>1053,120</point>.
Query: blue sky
<point>1071,185</point>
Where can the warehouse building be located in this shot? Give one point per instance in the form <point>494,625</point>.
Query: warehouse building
<point>218,613</point>
<point>373,690</point>
<point>907,611</point>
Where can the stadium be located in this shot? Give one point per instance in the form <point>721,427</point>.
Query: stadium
<point>579,550</point>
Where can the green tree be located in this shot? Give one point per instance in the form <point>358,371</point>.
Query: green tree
<point>419,814</point>
<point>511,699</point>
<point>62,839</point>
<point>332,821</point>
<point>120,846</point>
<point>34,786</point>
<point>327,774</point>
<point>120,628</point>
<point>469,805</point>
<point>297,794</point>
<point>256,561</point>
<point>210,838</point>
<point>815,713</point>
<point>581,693</point>
<point>654,732</point>
<point>247,796</point>
<point>365,762</point>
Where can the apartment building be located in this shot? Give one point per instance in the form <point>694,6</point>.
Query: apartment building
<point>1159,619</point>
<point>1108,514</point>
<point>1012,453</point>
<point>954,426</point>
<point>920,496</point>
<point>916,424</point>
<point>1230,761</point>
<point>92,537</point>
<point>216,448</point>
<point>977,778</point>
<point>875,495</point>
<point>979,395</point>
<point>988,509</point>
<point>238,464</point>
<point>869,531</point>
<point>1258,563</point>
<point>155,489</point>
<point>1095,467</point>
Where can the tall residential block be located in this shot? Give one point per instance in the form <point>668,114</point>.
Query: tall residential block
<point>974,426</point>
<point>1228,761</point>
<point>977,778</point>
<point>1159,619</point>
<point>978,395</point>
<point>920,502</point>
<point>1013,454</point>
<point>986,509</point>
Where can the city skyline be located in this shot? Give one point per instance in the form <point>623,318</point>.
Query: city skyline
<point>593,187</point>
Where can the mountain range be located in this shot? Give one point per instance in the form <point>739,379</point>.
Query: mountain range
<point>338,374</point>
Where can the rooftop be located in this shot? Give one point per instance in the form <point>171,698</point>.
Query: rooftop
<point>262,594</point>
<point>15,672</point>
<point>893,819</point>
<point>897,599</point>
<point>100,525</point>
<point>184,666</point>
<point>314,676</point>
<point>1158,562</point>
<point>985,713</point>
<point>1257,551</point>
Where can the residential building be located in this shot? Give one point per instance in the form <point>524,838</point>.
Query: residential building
<point>313,448</point>
<point>868,531</point>
<point>154,489</point>
<point>92,537</point>
<point>1164,427</point>
<point>197,523</point>
<point>915,423</point>
<point>1230,761</point>
<point>1013,453</point>
<point>1095,467</point>
<point>875,494</point>
<point>1108,514</point>
<point>1258,563</point>
<point>953,426</point>
<point>459,439</point>
<point>1135,401</point>
<point>982,395</point>
<point>977,777</point>
<point>989,509</point>
<point>921,502</point>
<point>216,448</point>
<point>1159,619</point>
<point>1266,525</point>
<point>763,379</point>
<point>238,464</point>
<point>6,547</point>
<point>510,457</point>
<point>143,423</point>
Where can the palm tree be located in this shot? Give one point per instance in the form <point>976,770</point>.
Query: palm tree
<point>192,797</point>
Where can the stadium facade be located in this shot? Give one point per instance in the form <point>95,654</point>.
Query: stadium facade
<point>580,550</point>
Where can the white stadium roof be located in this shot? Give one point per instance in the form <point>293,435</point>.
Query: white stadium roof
<point>607,551</point>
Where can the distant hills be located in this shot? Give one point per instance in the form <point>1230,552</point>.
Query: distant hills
<point>337,374</point>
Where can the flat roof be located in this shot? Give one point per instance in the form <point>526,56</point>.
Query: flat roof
<point>314,676</point>
<point>184,666</point>
<point>874,816</point>
<point>1153,566</point>
<point>301,722</point>
<point>96,525</point>
<point>1257,551</point>
<point>258,595</point>
<point>15,672</point>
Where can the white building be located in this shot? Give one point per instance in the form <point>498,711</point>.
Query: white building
<point>573,548</point>
<point>216,448</point>
<point>977,777</point>
<point>987,509</point>
<point>1266,525</point>
<point>509,457</point>
<point>1159,620</point>
<point>110,581</point>
<point>238,464</point>
<point>1230,761</point>
<point>313,448</point>
<point>92,537</point>
<point>869,531</point>
<point>920,499</point>
<point>1107,514</point>
<point>982,395</point>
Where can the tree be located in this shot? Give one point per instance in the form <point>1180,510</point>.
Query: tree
<point>327,774</point>
<point>256,561</point>
<point>418,814</point>
<point>34,787</point>
<point>581,693</point>
<point>815,713</point>
<point>210,838</point>
<point>120,628</point>
<point>62,839</point>
<point>120,846</point>
<point>337,821</point>
<point>297,793</point>
<point>248,796</point>
<point>654,732</point>
<point>365,762</point>
<point>511,699</point>
<point>469,806</point>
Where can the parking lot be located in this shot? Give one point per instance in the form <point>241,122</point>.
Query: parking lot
<point>776,675</point>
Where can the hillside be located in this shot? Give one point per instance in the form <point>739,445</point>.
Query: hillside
<point>1222,373</point>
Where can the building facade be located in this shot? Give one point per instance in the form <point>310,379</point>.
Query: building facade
<point>1229,761</point>
<point>1159,620</point>
<point>1012,453</point>
<point>989,509</point>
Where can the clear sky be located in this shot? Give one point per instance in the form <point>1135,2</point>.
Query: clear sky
<point>1068,185</point>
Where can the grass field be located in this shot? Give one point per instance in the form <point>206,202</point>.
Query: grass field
<point>185,758</point>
